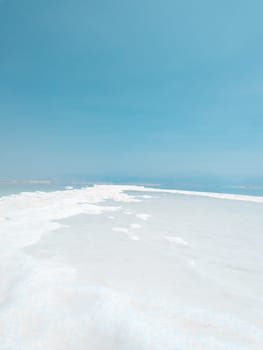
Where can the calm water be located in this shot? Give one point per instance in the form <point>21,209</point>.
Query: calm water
<point>15,188</point>
<point>204,186</point>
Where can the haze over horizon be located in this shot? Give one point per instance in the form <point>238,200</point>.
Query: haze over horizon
<point>131,175</point>
<point>131,89</point>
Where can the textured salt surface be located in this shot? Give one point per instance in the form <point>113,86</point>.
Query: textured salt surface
<point>102,269</point>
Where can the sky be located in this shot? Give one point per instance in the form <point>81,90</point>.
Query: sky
<point>137,88</point>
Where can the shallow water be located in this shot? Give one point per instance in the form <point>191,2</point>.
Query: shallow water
<point>103,269</point>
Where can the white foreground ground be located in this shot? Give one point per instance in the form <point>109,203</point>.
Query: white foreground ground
<point>105,269</point>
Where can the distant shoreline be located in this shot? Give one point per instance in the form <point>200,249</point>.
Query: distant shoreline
<point>143,188</point>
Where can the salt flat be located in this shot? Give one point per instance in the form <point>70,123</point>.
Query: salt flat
<point>131,268</point>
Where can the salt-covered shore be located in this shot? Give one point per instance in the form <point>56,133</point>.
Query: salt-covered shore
<point>129,267</point>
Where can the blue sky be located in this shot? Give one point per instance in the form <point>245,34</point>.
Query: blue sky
<point>131,88</point>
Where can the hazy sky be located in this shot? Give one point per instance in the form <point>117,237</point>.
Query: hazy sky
<point>131,87</point>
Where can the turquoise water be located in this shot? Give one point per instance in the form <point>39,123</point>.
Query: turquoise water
<point>232,189</point>
<point>7,188</point>
<point>15,188</point>
<point>243,186</point>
